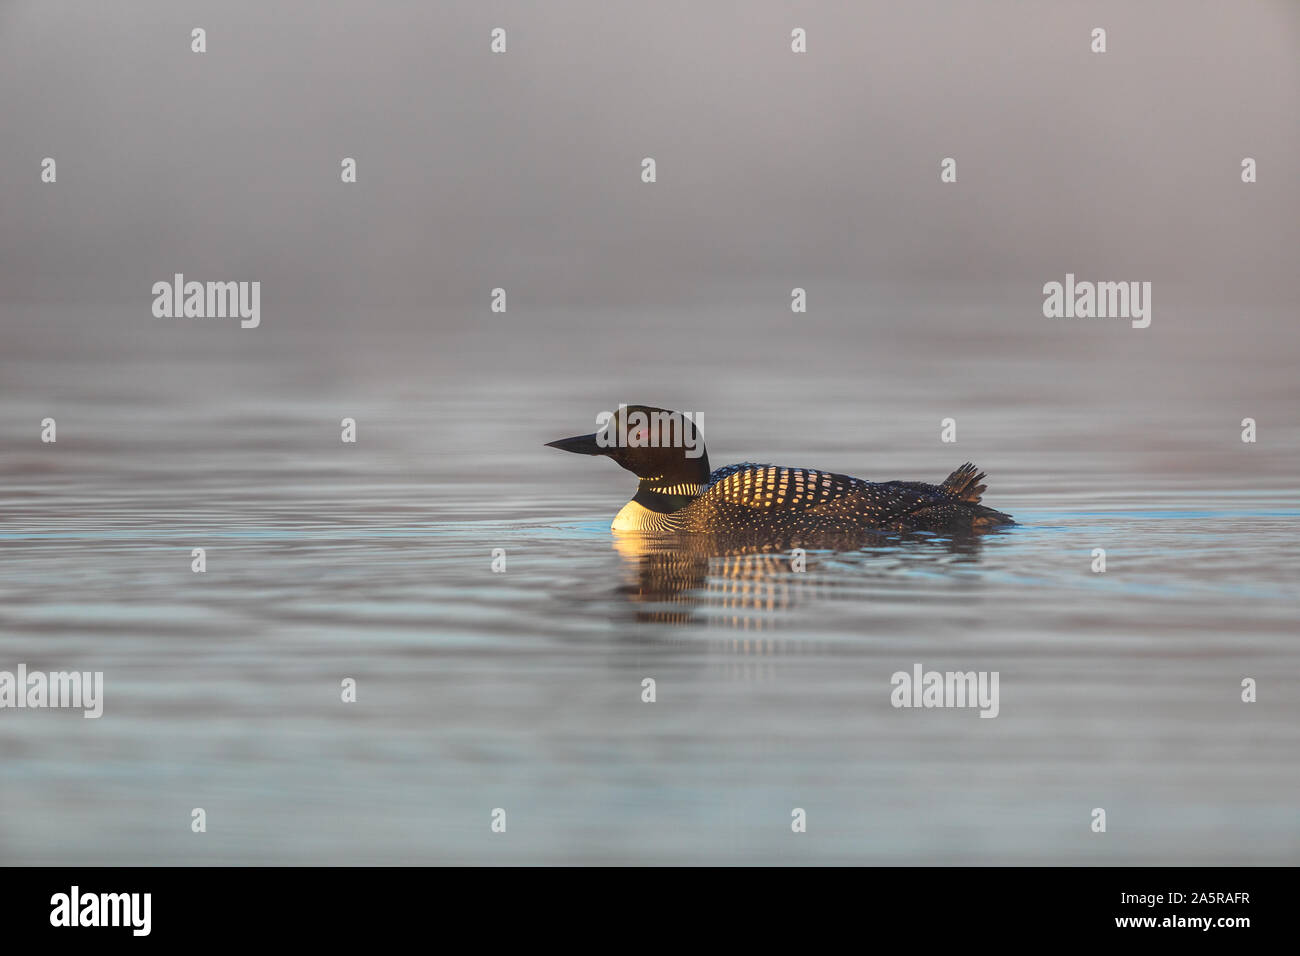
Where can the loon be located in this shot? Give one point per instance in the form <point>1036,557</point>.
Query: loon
<point>678,492</point>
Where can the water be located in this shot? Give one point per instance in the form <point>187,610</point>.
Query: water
<point>522,690</point>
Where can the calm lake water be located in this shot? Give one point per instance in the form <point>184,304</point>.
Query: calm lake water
<point>522,690</point>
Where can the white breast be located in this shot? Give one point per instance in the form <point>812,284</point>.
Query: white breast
<point>634,517</point>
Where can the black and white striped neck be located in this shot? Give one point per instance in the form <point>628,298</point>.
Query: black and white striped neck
<point>658,486</point>
<point>664,498</point>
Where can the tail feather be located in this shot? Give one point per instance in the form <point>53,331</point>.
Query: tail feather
<point>964,484</point>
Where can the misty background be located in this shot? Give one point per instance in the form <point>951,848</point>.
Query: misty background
<point>522,170</point>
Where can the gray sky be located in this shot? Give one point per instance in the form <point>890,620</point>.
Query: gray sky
<point>522,170</point>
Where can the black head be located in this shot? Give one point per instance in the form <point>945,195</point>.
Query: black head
<point>658,446</point>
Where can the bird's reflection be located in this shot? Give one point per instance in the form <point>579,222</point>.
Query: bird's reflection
<point>732,583</point>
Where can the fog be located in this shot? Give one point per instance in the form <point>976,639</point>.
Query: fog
<point>522,169</point>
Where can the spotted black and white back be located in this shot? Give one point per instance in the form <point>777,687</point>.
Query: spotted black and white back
<point>775,486</point>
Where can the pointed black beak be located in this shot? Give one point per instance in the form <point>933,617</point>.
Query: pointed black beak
<point>579,445</point>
